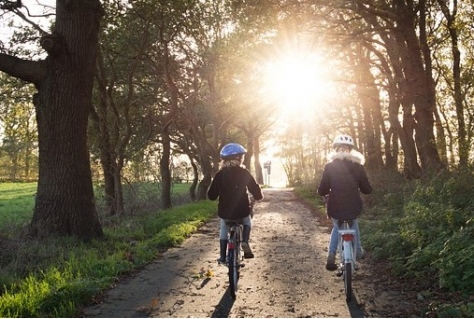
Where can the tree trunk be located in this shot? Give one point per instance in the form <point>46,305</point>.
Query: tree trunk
<point>65,202</point>
<point>258,165</point>
<point>250,149</point>
<point>453,27</point>
<point>391,149</point>
<point>192,188</point>
<point>109,182</point>
<point>118,191</point>
<point>419,91</point>
<point>206,168</point>
<point>441,139</point>
<point>411,169</point>
<point>370,102</point>
<point>165,170</point>
<point>98,118</point>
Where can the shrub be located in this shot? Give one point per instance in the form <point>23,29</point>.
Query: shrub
<point>456,261</point>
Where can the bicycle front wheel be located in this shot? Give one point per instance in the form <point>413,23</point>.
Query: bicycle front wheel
<point>348,281</point>
<point>233,272</point>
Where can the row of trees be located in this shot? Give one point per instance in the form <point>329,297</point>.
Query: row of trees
<point>19,147</point>
<point>128,82</point>
<point>142,82</point>
<point>406,69</point>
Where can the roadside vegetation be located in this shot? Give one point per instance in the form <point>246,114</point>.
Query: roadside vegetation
<point>424,229</point>
<point>53,277</point>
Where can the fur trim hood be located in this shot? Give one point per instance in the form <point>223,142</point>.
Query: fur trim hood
<point>353,156</point>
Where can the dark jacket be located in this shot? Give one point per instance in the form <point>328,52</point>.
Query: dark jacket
<point>230,185</point>
<point>344,178</point>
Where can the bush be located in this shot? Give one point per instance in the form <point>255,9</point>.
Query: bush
<point>456,310</point>
<point>456,261</point>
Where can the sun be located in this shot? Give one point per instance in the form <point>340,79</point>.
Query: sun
<point>297,82</point>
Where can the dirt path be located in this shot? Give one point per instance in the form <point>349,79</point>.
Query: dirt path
<point>286,279</point>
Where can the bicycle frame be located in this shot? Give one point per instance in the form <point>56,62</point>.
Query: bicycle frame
<point>235,235</point>
<point>347,256</point>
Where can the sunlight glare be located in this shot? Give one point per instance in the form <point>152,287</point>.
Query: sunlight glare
<point>297,82</point>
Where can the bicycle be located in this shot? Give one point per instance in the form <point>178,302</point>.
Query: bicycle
<point>347,255</point>
<point>234,254</point>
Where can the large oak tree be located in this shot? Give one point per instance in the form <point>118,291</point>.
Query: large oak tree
<point>65,198</point>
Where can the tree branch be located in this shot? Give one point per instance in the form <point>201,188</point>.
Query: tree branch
<point>26,70</point>
<point>10,5</point>
<point>36,26</point>
<point>14,7</point>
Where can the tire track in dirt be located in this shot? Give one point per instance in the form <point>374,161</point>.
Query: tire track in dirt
<point>286,278</point>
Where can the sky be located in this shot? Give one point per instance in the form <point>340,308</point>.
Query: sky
<point>33,9</point>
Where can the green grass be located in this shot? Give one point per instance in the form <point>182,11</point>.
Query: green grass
<point>16,204</point>
<point>54,277</point>
<point>17,201</point>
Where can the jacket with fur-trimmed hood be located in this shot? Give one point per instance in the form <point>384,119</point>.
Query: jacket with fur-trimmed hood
<point>343,179</point>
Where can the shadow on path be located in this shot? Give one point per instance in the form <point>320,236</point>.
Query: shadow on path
<point>354,308</point>
<point>224,307</point>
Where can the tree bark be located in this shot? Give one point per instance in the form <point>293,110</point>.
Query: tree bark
<point>258,165</point>
<point>165,169</point>
<point>99,117</point>
<point>65,202</point>
<point>463,142</point>
<point>370,102</point>
<point>419,90</point>
<point>192,188</point>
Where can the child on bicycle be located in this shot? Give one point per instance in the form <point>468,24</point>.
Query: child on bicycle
<point>231,185</point>
<point>342,181</point>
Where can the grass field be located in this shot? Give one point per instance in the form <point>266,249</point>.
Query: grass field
<point>17,200</point>
<point>16,204</point>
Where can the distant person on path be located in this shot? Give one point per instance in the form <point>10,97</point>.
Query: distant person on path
<point>231,185</point>
<point>343,179</point>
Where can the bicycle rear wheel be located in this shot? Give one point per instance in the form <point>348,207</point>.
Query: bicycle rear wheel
<point>233,272</point>
<point>348,281</point>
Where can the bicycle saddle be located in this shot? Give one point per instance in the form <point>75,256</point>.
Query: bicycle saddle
<point>231,222</point>
<point>340,222</point>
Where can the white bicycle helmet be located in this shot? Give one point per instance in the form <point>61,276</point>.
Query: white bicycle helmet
<point>343,139</point>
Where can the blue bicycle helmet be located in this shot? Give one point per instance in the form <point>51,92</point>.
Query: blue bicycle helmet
<point>232,150</point>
